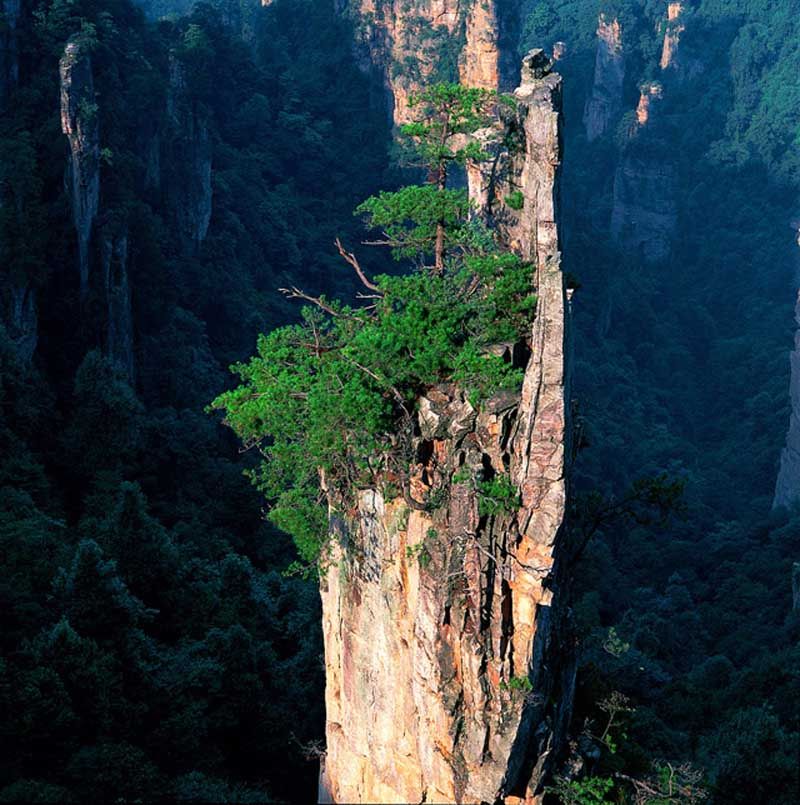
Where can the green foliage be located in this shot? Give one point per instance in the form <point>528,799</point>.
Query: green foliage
<point>515,200</point>
<point>497,496</point>
<point>408,218</point>
<point>419,553</point>
<point>589,791</point>
<point>517,683</point>
<point>335,394</point>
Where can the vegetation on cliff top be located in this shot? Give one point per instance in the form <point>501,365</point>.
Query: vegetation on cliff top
<point>336,393</point>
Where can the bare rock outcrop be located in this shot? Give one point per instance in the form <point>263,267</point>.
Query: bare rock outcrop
<point>604,104</point>
<point>189,155</point>
<point>787,486</point>
<point>414,42</point>
<point>449,670</point>
<point>9,55</point>
<point>117,293</point>
<point>644,216</point>
<point>19,318</point>
<point>79,122</point>
<point>672,34</point>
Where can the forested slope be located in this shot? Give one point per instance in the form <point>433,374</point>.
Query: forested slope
<point>151,647</point>
<point>681,226</point>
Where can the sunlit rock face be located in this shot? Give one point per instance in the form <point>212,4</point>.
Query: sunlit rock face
<point>80,123</point>
<point>787,486</point>
<point>604,104</point>
<point>412,43</point>
<point>433,619</point>
<point>672,34</point>
<point>650,95</point>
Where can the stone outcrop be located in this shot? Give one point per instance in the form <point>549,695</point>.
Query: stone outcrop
<point>604,104</point>
<point>414,42</point>
<point>9,57</point>
<point>117,293</point>
<point>188,144</point>
<point>19,318</point>
<point>449,673</point>
<point>644,216</point>
<point>672,34</point>
<point>79,122</point>
<point>787,486</point>
<point>650,95</point>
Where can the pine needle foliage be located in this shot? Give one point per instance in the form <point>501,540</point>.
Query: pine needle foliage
<point>330,402</point>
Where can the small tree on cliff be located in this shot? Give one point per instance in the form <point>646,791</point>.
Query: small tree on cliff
<point>431,219</point>
<point>334,397</point>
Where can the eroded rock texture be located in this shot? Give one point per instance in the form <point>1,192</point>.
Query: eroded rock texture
<point>79,122</point>
<point>787,487</point>
<point>19,318</point>
<point>672,34</point>
<point>188,145</point>
<point>449,676</point>
<point>415,42</point>
<point>117,293</point>
<point>9,57</point>
<point>604,104</point>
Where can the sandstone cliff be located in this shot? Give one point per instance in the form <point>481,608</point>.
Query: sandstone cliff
<point>19,318</point>
<point>672,34</point>
<point>604,104</point>
<point>449,674</point>
<point>9,57</point>
<point>117,293</point>
<point>787,486</point>
<point>644,215</point>
<point>411,44</point>
<point>79,121</point>
<point>188,158</point>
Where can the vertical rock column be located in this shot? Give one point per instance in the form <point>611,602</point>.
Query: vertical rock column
<point>414,42</point>
<point>9,58</point>
<point>449,675</point>
<point>787,486</point>
<point>605,101</point>
<point>79,121</point>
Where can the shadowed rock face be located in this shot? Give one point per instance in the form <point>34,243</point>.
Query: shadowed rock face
<point>117,292</point>
<point>9,59</point>
<point>188,183</point>
<point>787,487</point>
<point>449,676</point>
<point>412,43</point>
<point>79,121</point>
<point>604,104</point>
<point>19,318</point>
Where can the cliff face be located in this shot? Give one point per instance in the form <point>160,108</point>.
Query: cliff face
<point>79,121</point>
<point>9,59</point>
<point>19,318</point>
<point>644,214</point>
<point>787,486</point>
<point>605,101</point>
<point>117,292</point>
<point>414,43</point>
<point>447,680</point>
<point>188,185</point>
<point>672,34</point>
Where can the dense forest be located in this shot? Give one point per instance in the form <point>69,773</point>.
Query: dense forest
<point>153,644</point>
<point>681,368</point>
